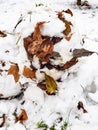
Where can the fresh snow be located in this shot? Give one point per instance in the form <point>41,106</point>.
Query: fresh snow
<point>78,83</point>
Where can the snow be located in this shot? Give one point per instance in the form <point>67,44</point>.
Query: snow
<point>78,83</point>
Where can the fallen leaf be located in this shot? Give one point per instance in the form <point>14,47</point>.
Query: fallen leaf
<point>22,117</point>
<point>67,24</point>
<point>3,120</point>
<point>14,70</point>
<point>56,39</point>
<point>68,37</point>
<point>68,64</point>
<point>82,52</point>
<point>27,72</point>
<point>68,28</point>
<point>2,34</point>
<point>69,12</point>
<point>1,94</point>
<point>51,85</point>
<point>80,106</point>
<point>42,85</point>
<point>45,50</point>
<point>37,34</point>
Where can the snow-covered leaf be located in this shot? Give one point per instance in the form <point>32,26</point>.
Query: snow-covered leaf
<point>22,117</point>
<point>69,12</point>
<point>2,34</point>
<point>81,106</point>
<point>14,70</point>
<point>3,117</point>
<point>27,72</point>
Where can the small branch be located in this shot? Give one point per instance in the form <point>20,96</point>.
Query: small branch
<point>19,21</point>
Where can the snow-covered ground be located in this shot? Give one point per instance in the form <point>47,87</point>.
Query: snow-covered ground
<point>24,105</point>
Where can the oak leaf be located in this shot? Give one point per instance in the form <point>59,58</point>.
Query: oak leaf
<point>22,117</point>
<point>14,70</point>
<point>27,72</point>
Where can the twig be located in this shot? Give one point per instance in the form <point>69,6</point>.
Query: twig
<point>19,21</point>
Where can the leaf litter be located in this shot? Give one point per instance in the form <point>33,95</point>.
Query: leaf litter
<point>47,83</point>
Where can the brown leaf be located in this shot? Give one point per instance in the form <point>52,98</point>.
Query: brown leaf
<point>3,120</point>
<point>14,70</point>
<point>68,37</point>
<point>42,85</point>
<point>22,117</point>
<point>67,24</point>
<point>69,64</point>
<point>45,50</point>
<point>1,94</point>
<point>37,34</point>
<point>2,34</point>
<point>37,39</point>
<point>27,72</point>
<point>82,52</point>
<point>68,28</point>
<point>56,39</point>
<point>69,12</point>
<point>80,106</point>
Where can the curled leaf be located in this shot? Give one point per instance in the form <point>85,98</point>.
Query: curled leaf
<point>69,12</point>
<point>68,64</point>
<point>27,72</point>
<point>51,84</point>
<point>14,70</point>
<point>82,52</point>
<point>80,106</point>
<point>22,117</point>
<point>67,24</point>
<point>2,34</point>
<point>3,120</point>
<point>1,94</point>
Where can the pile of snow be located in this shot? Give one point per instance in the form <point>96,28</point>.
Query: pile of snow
<point>78,83</point>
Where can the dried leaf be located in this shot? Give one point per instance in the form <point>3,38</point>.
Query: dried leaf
<point>67,24</point>
<point>68,37</point>
<point>56,39</point>
<point>14,70</point>
<point>51,84</point>
<point>69,64</point>
<point>37,34</point>
<point>1,94</point>
<point>22,117</point>
<point>68,28</point>
<point>27,72</point>
<point>82,52</point>
<point>45,50</point>
<point>69,12</point>
<point>80,106</point>
<point>3,120</point>
<point>2,34</point>
<point>42,86</point>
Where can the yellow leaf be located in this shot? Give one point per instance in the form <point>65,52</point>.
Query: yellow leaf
<point>51,85</point>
